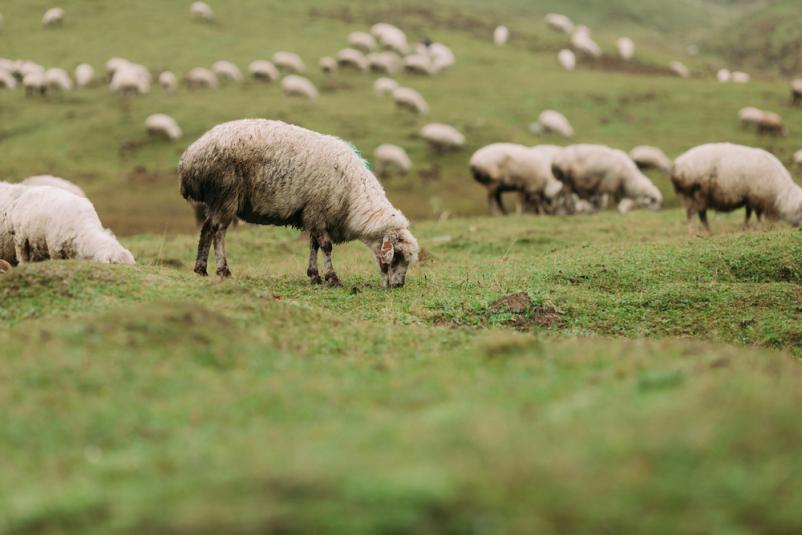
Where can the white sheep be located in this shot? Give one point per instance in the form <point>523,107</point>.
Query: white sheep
<point>362,41</point>
<point>407,98</point>
<point>552,122</point>
<point>84,74</point>
<point>567,59</point>
<point>560,23</point>
<point>583,42</point>
<point>418,64</point>
<point>593,171</point>
<point>161,125</point>
<point>270,172</point>
<point>289,61</point>
<point>391,158</point>
<point>113,65</point>
<point>47,223</point>
<point>771,123</point>
<point>724,76</point>
<point>679,69</point>
<point>648,157</point>
<point>131,79</point>
<point>34,82</point>
<point>500,36</point>
<point>263,71</point>
<point>351,58</point>
<point>386,61</point>
<point>57,80</point>
<point>201,11</point>
<point>7,79</point>
<point>796,92</point>
<point>725,177</point>
<point>53,17</point>
<point>168,82</point>
<point>298,86</point>
<point>201,78</point>
<point>328,65</point>
<point>390,37</point>
<point>740,77</point>
<point>442,137</point>
<point>384,86</point>
<point>441,56</point>
<point>54,182</point>
<point>750,116</point>
<point>626,48</point>
<point>225,70</point>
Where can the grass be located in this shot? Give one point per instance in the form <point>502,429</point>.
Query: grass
<point>593,374</point>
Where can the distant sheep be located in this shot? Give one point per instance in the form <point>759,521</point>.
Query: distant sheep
<point>34,82</point>
<point>385,62</point>
<point>45,223</point>
<point>584,43</point>
<point>418,64</point>
<point>560,23</point>
<point>384,86</point>
<point>408,99</point>
<point>201,11</point>
<point>796,92</point>
<point>626,48</point>
<point>201,78</point>
<point>647,157</point>
<point>57,80</point>
<point>724,76</point>
<point>501,35</point>
<point>679,69</point>
<point>225,70</point>
<point>593,171</point>
<point>740,77</point>
<point>269,172</point>
<point>441,57</point>
<point>54,182</point>
<point>391,159</point>
<point>362,41</point>
<point>771,124</point>
<point>115,64</point>
<point>131,79</point>
<point>289,61</point>
<point>84,75</point>
<point>168,82</point>
<point>442,137</point>
<point>725,177</point>
<point>263,71</point>
<point>328,65</point>
<point>351,58</point>
<point>749,116</point>
<point>552,122</point>
<point>298,86</point>
<point>53,17</point>
<point>161,125</point>
<point>567,59</point>
<point>390,38</point>
<point>7,79</point>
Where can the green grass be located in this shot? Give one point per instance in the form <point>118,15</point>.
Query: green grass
<point>649,385</point>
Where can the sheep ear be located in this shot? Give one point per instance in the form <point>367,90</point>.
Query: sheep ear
<point>387,251</point>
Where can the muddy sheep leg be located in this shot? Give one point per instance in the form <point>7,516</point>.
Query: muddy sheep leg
<point>495,201</point>
<point>204,244</point>
<point>311,271</point>
<point>703,219</point>
<point>331,277</point>
<point>747,217</point>
<point>219,237</point>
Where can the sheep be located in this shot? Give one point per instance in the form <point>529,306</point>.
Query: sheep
<point>272,173</point>
<point>42,222</point>
<point>441,56</point>
<point>724,76</point>
<point>131,79</point>
<point>592,171</point>
<point>201,11</point>
<point>33,82</point>
<point>351,58</point>
<point>626,48</point>
<point>84,74</point>
<point>53,17</point>
<point>567,59</point>
<point>289,61</point>
<point>225,70</point>
<point>583,42</point>
<point>749,116</point>
<point>771,123</point>
<point>560,23</point>
<point>740,77</point>
<point>388,62</point>
<point>725,177</point>
<point>407,98</point>
<point>362,41</point>
<point>328,65</point>
<point>161,125</point>
<point>168,82</point>
<point>58,80</point>
<point>54,182</point>
<point>501,35</point>
<point>298,86</point>
<point>7,79</point>
<point>113,65</point>
<point>390,38</point>
<point>442,137</point>
<point>505,167</point>
<point>263,71</point>
<point>551,121</point>
<point>201,78</point>
<point>679,69</point>
<point>796,92</point>
<point>418,64</point>
<point>384,86</point>
<point>647,157</point>
<point>391,158</point>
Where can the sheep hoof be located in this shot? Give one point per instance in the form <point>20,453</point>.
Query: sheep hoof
<point>224,272</point>
<point>201,270</point>
<point>315,279</point>
<point>333,281</point>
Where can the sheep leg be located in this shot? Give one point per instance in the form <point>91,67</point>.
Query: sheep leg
<point>331,277</point>
<point>220,251</point>
<point>494,198</point>
<point>703,219</point>
<point>204,243</point>
<point>747,217</point>
<point>691,213</point>
<point>311,271</point>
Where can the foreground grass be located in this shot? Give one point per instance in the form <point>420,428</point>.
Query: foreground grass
<point>147,399</point>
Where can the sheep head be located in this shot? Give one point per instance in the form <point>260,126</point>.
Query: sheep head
<point>395,253</point>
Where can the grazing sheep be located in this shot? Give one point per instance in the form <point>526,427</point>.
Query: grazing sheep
<point>384,86</point>
<point>593,171</point>
<point>750,116</point>
<point>57,80</point>
<point>54,182</point>
<point>567,59</point>
<point>740,77</point>
<point>583,42</point>
<point>442,137</point>
<point>560,23</point>
<point>771,124</point>
<point>201,78</point>
<point>391,158</point>
<point>227,71</point>
<point>351,58</point>
<point>272,173</point>
<point>115,64</point>
<point>362,41</point>
<point>724,76</point>
<point>34,82</point>
<point>263,71</point>
<point>289,61</point>
<point>501,35</point>
<point>53,17</point>
<point>441,57</point>
<point>798,158</point>
<point>328,65</point>
<point>725,177</point>
<point>84,74</point>
<point>7,79</point>
<point>626,48</point>
<point>298,86</point>
<point>418,64</point>
<point>387,61</point>
<point>168,82</point>
<point>552,122</point>
<point>407,98</point>
<point>796,92</point>
<point>647,157</point>
<point>131,79</point>
<point>679,69</point>
<point>41,223</point>
<point>390,38</point>
<point>201,11</point>
<point>161,125</point>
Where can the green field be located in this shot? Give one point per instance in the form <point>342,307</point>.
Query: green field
<point>587,374</point>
